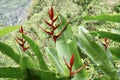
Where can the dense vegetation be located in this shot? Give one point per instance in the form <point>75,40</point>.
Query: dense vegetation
<point>72,40</point>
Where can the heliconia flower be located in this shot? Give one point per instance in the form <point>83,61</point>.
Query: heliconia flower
<point>47,31</point>
<point>49,24</point>
<point>56,26</point>
<point>72,73</point>
<point>21,30</point>
<point>51,13</point>
<point>55,18</point>
<point>21,41</point>
<point>53,27</point>
<point>72,60</point>
<point>106,42</point>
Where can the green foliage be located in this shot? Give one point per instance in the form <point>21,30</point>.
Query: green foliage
<point>109,55</point>
<point>7,50</point>
<point>110,35</point>
<point>66,46</point>
<point>10,72</point>
<point>54,58</point>
<point>33,66</point>
<point>96,53</point>
<point>52,76</point>
<point>7,30</point>
<point>115,51</point>
<point>26,66</point>
<point>37,52</point>
<point>104,17</point>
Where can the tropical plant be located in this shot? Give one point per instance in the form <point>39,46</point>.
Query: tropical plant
<point>33,65</point>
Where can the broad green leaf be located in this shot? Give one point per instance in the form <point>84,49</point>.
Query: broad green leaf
<point>96,53</point>
<point>10,72</point>
<point>37,52</point>
<point>26,64</point>
<point>110,35</point>
<point>7,50</point>
<point>53,56</point>
<point>7,30</point>
<point>31,72</point>
<point>48,75</point>
<point>104,17</point>
<point>66,46</point>
<point>115,51</point>
<point>44,75</point>
<point>109,55</point>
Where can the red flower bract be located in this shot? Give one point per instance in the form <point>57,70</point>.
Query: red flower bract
<point>52,25</point>
<point>72,73</point>
<point>21,30</point>
<point>51,13</point>
<point>21,41</point>
<point>72,60</point>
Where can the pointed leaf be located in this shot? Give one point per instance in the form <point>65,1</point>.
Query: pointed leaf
<point>110,35</point>
<point>104,17</point>
<point>66,46</point>
<point>37,52</point>
<point>96,53</point>
<point>26,67</point>
<point>53,56</point>
<point>109,55</point>
<point>7,30</point>
<point>7,50</point>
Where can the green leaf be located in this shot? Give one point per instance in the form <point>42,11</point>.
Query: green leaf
<point>37,52</point>
<point>10,72</point>
<point>27,64</point>
<point>53,56</point>
<point>109,55</point>
<point>104,17</point>
<point>110,35</point>
<point>115,51</point>
<point>48,75</point>
<point>7,30</point>
<point>66,46</point>
<point>96,53</point>
<point>7,50</point>
<point>30,71</point>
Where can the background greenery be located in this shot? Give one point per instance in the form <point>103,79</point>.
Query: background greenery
<point>69,8</point>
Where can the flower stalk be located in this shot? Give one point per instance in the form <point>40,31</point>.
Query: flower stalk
<point>21,41</point>
<point>70,66</point>
<point>52,25</point>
